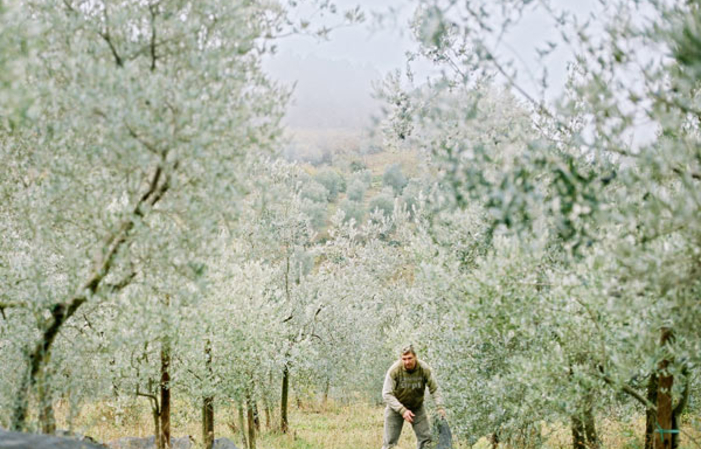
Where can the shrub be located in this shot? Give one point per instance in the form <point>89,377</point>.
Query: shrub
<point>316,212</point>
<point>356,190</point>
<point>353,210</point>
<point>410,196</point>
<point>315,192</point>
<point>384,202</point>
<point>364,176</point>
<point>393,177</point>
<point>357,166</point>
<point>333,182</point>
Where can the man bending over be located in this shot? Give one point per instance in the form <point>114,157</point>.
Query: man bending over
<point>403,392</point>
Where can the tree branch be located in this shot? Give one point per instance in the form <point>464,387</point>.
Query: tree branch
<point>626,389</point>
<point>113,288</point>
<point>105,35</point>
<point>155,406</point>
<point>154,12</point>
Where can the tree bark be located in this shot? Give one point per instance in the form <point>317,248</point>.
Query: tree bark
<point>156,423</point>
<point>251,423</point>
<point>266,410</point>
<point>164,439</point>
<point>47,418</point>
<point>584,434</point>
<point>327,387</point>
<point>208,421</point>
<point>208,403</point>
<point>590,428</point>
<point>284,424</point>
<point>256,415</point>
<point>242,424</point>
<point>665,410</point>
<point>578,436</point>
<point>650,427</point>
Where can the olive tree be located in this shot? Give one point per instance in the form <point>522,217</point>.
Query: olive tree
<point>145,113</point>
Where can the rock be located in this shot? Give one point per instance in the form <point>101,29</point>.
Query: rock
<point>76,436</point>
<point>149,443</point>
<point>182,443</point>
<point>445,436</point>
<point>223,443</point>
<point>133,443</point>
<point>17,440</point>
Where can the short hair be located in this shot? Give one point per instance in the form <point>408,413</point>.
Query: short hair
<point>408,349</point>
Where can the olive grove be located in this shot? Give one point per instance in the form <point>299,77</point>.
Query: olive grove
<point>545,256</point>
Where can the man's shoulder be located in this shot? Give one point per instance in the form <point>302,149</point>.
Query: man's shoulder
<point>425,367</point>
<point>395,368</point>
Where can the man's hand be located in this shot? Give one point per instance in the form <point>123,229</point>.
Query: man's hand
<point>441,412</point>
<point>408,416</point>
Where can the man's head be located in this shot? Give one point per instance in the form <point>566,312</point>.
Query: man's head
<point>409,357</point>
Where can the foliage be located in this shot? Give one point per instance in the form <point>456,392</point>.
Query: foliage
<point>352,209</point>
<point>356,190</point>
<point>333,181</point>
<point>315,192</point>
<point>394,178</point>
<point>382,202</point>
<point>545,263</point>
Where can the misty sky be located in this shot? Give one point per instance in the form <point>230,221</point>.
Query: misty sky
<point>334,78</point>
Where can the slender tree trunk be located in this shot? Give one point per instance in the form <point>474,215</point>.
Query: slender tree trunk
<point>156,424</point>
<point>495,440</point>
<point>251,423</point>
<point>208,403</point>
<point>208,422</point>
<point>284,424</point>
<point>256,415</point>
<point>590,428</point>
<point>584,434</point>
<point>266,410</point>
<point>327,387</point>
<point>578,436</point>
<point>650,427</point>
<point>665,410</point>
<point>242,424</point>
<point>165,397</point>
<point>21,405</point>
<point>47,420</point>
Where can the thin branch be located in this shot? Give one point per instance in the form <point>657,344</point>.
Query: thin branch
<point>626,389</point>
<point>153,8</point>
<point>148,145</point>
<point>105,35</point>
<point>155,406</point>
<point>113,288</point>
<point>694,175</point>
<point>11,305</point>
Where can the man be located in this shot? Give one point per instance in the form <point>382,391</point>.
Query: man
<point>403,392</point>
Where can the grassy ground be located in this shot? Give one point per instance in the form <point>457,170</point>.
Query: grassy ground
<point>335,426</point>
<point>332,427</point>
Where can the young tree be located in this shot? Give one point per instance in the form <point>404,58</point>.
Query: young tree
<point>141,128</point>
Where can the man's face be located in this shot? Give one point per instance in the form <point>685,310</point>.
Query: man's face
<point>409,361</point>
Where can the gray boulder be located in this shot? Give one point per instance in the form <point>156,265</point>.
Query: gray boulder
<point>223,443</point>
<point>17,440</point>
<point>149,443</point>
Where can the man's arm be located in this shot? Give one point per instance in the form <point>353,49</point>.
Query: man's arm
<point>435,391</point>
<point>389,397</point>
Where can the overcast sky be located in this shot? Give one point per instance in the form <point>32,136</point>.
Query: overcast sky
<point>356,55</point>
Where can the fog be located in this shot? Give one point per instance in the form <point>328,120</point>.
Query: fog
<point>333,79</point>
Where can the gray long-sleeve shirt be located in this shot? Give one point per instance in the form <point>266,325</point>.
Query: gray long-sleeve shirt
<point>404,389</point>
